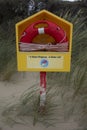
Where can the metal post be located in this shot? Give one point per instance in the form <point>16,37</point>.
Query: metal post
<point>42,89</point>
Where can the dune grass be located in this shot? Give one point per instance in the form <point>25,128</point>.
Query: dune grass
<point>66,92</point>
<point>7,48</point>
<point>28,107</point>
<point>74,84</point>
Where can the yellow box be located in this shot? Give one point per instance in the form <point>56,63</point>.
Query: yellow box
<point>44,61</point>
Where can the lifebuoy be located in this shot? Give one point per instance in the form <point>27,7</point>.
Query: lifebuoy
<point>52,29</point>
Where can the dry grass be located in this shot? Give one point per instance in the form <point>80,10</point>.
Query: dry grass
<point>71,88</point>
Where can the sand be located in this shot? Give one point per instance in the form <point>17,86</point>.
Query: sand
<point>14,88</point>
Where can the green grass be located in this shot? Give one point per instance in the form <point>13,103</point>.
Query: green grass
<point>7,48</point>
<point>28,107</point>
<point>70,88</point>
<point>73,85</point>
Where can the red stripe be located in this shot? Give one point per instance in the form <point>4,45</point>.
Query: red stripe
<point>42,81</point>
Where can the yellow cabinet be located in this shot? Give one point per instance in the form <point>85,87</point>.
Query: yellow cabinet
<point>44,60</point>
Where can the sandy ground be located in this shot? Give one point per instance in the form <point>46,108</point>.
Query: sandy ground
<point>16,86</point>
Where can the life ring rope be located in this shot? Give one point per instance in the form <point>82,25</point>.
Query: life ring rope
<point>44,47</point>
<point>63,37</point>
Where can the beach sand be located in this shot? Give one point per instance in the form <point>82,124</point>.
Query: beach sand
<point>14,88</point>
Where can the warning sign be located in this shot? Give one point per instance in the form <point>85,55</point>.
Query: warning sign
<point>51,62</point>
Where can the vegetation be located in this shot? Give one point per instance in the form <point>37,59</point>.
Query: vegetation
<point>28,108</point>
<point>70,87</point>
<point>7,48</point>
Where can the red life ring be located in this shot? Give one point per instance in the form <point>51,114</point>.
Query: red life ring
<point>52,29</point>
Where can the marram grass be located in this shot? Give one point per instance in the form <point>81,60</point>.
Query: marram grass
<point>66,92</point>
<point>7,49</point>
<point>28,107</point>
